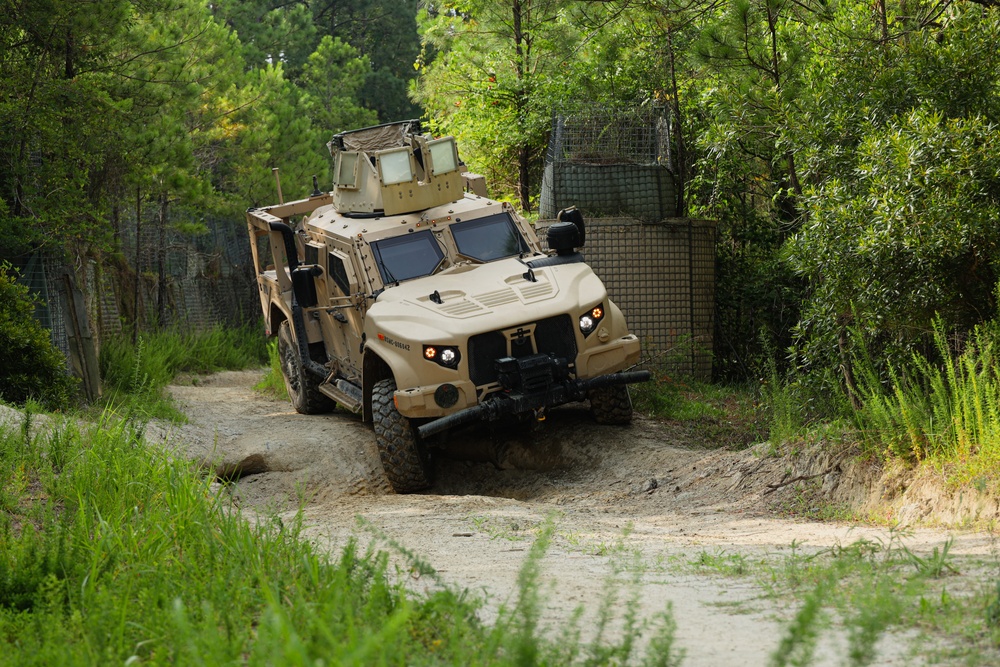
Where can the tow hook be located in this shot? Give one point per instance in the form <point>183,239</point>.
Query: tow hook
<point>540,414</point>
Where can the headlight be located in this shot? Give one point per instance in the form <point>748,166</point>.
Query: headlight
<point>589,320</point>
<point>443,355</point>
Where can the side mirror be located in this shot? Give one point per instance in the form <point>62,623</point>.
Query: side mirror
<point>573,214</point>
<point>564,238</point>
<point>304,286</point>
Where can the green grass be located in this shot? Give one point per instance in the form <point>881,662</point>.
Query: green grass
<point>869,588</point>
<point>719,415</point>
<point>945,413</point>
<point>134,375</point>
<point>112,552</point>
<point>941,410</point>
<point>273,382</point>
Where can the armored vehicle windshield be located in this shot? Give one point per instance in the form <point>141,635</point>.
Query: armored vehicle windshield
<point>489,238</point>
<point>406,257</point>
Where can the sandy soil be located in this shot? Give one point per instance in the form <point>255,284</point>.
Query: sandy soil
<point>613,492</point>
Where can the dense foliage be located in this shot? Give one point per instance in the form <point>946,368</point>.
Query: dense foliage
<point>135,374</point>
<point>30,366</point>
<point>105,106</point>
<point>846,149</point>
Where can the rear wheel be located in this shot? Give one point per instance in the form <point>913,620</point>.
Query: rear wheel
<point>404,458</point>
<point>611,405</point>
<point>302,386</point>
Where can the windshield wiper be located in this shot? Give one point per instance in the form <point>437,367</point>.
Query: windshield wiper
<point>384,269</point>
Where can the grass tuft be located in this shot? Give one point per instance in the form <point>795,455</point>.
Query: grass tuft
<point>719,415</point>
<point>273,382</point>
<point>945,412</point>
<point>134,375</point>
<point>113,552</point>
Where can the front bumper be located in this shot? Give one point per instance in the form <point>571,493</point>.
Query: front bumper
<point>609,358</point>
<point>419,402</point>
<point>500,404</point>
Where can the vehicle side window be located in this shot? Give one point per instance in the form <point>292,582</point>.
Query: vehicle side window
<point>489,238</point>
<point>404,257</point>
<point>312,253</point>
<point>338,271</point>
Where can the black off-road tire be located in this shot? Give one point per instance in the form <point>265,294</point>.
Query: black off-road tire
<point>611,405</point>
<point>302,386</point>
<point>404,458</point>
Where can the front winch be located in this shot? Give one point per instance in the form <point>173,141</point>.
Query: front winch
<point>533,373</point>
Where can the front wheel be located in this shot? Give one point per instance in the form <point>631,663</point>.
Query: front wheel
<point>404,458</point>
<point>302,386</point>
<point>611,405</point>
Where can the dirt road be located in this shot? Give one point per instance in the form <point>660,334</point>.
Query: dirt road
<point>615,494</point>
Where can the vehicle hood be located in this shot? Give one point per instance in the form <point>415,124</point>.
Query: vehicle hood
<point>469,299</point>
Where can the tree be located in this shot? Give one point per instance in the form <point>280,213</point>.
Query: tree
<point>754,53</point>
<point>106,104</point>
<point>385,31</point>
<point>901,218</point>
<point>271,32</point>
<point>331,81</point>
<point>274,31</point>
<point>56,118</point>
<point>493,74</point>
<point>280,135</point>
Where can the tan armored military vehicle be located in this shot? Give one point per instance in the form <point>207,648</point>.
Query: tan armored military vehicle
<point>422,306</point>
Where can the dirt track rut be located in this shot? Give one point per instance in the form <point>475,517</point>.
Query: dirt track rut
<point>614,493</point>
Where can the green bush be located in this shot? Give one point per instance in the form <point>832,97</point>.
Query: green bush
<point>944,408</point>
<point>30,366</point>
<point>910,235</point>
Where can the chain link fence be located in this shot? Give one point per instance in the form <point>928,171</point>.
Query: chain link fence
<point>170,277</point>
<point>162,277</point>
<point>598,135</point>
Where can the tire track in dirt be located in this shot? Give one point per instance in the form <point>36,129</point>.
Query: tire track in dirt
<point>614,493</point>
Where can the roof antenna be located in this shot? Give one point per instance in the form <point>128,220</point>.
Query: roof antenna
<point>277,179</point>
<point>316,192</point>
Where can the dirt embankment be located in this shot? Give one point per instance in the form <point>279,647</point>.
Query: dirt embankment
<point>642,490</point>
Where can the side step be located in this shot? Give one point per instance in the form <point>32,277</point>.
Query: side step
<point>345,393</point>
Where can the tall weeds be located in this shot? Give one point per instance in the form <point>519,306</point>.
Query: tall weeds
<point>134,374</point>
<point>123,555</point>
<point>947,410</point>
<point>111,552</point>
<point>273,382</point>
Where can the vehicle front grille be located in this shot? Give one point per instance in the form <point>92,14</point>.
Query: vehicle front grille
<point>484,349</point>
<point>554,335</point>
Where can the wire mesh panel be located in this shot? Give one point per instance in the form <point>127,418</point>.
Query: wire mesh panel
<point>41,274</point>
<point>662,276</point>
<point>646,192</point>
<point>598,135</point>
<point>615,165</point>
<point>208,278</point>
<point>610,163</point>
